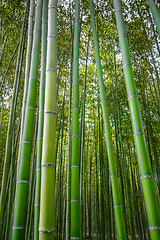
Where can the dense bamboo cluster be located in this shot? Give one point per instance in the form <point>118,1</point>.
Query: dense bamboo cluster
<point>79,161</point>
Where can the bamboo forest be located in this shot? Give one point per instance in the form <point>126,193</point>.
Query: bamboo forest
<point>80,119</point>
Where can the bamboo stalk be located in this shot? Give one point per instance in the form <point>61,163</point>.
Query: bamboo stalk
<point>83,138</point>
<point>59,185</point>
<point>47,200</point>
<point>10,186</point>
<point>149,46</point>
<point>2,108</point>
<point>32,178</point>
<point>20,210</point>
<point>41,119</point>
<point>75,191</point>
<point>68,207</point>
<point>4,43</point>
<point>155,13</point>
<point>5,75</point>
<point>113,174</point>
<point>146,176</point>
<point>7,160</point>
<point>27,71</point>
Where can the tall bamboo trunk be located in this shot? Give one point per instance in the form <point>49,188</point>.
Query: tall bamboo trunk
<point>155,13</point>
<point>83,139</point>
<point>113,174</point>
<point>47,199</point>
<point>26,145</point>
<point>32,178</point>
<point>75,194</point>
<point>41,119</point>
<point>27,71</point>
<point>4,43</point>
<point>68,207</point>
<point>7,160</point>
<point>5,75</point>
<point>146,176</point>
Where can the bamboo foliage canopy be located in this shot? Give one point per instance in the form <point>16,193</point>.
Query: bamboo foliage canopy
<point>80,119</point>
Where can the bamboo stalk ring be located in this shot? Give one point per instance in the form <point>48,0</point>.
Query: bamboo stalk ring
<point>106,124</point>
<point>50,111</point>
<point>49,7</point>
<point>27,142</point>
<point>75,238</point>
<point>157,19</point>
<point>146,176</point>
<point>132,96</point>
<point>122,35</point>
<point>51,69</point>
<point>46,231</point>
<point>14,227</point>
<point>118,11</point>
<point>75,136</point>
<point>127,64</point>
<point>154,228</point>
<point>138,133</point>
<point>48,165</point>
<point>54,36</point>
<point>75,109</point>
<point>75,61</point>
<point>22,181</point>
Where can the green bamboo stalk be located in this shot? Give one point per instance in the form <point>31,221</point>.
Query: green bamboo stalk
<point>5,75</point>
<point>118,137</point>
<point>149,46</point>
<point>18,79</point>
<point>10,190</point>
<point>27,71</point>
<point>23,173</point>
<point>135,202</point>
<point>155,13</point>
<point>59,185</point>
<point>101,178</point>
<point>153,28</point>
<point>107,197</point>
<point>75,195</point>
<point>31,179</point>
<point>12,118</point>
<point>84,199</point>
<point>47,200</point>
<point>142,219</point>
<point>155,90</point>
<point>130,209</point>
<point>114,180</point>
<point>150,133</point>
<point>41,119</point>
<point>6,225</point>
<point>147,180</point>
<point>2,107</point>
<point>90,196</point>
<point>68,207</point>
<point>97,178</point>
<point>58,165</point>
<point>82,138</point>
<point>4,43</point>
<point>31,220</point>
